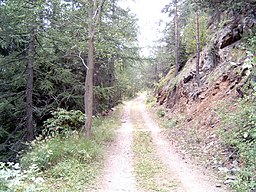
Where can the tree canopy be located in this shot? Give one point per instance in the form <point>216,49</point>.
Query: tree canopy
<point>51,35</point>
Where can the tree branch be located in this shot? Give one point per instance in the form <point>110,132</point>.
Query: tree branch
<point>79,55</point>
<point>97,14</point>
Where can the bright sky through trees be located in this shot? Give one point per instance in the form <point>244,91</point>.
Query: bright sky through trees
<point>149,14</point>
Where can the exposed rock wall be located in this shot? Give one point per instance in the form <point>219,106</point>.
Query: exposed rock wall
<point>220,62</point>
<point>224,70</point>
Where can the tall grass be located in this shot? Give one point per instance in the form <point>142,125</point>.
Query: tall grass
<point>64,162</point>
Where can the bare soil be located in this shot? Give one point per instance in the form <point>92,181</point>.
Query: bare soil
<point>118,166</point>
<point>118,174</point>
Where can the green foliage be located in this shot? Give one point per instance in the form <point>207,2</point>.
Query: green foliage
<point>164,53</point>
<point>47,153</point>
<point>151,100</point>
<point>71,161</point>
<point>12,178</point>
<point>161,112</point>
<point>190,33</point>
<point>77,175</point>
<point>252,44</point>
<point>166,79</point>
<point>240,133</point>
<point>222,5</point>
<point>170,124</point>
<point>59,70</point>
<point>130,82</point>
<point>239,130</point>
<point>104,94</point>
<point>64,121</point>
<point>151,174</point>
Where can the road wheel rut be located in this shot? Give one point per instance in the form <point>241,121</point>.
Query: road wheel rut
<point>120,167</point>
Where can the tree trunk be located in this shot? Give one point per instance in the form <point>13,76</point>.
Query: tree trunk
<point>156,73</point>
<point>88,96</point>
<point>111,79</point>
<point>197,50</point>
<point>111,64</point>
<point>88,99</point>
<point>29,88</point>
<point>177,66</point>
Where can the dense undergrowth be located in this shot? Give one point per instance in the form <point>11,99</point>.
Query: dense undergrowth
<point>239,134</point>
<point>239,127</point>
<point>64,161</point>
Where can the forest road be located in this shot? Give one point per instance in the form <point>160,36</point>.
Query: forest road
<point>119,173</point>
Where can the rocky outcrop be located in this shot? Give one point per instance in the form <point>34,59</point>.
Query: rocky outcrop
<point>230,35</point>
<point>220,60</point>
<point>225,69</point>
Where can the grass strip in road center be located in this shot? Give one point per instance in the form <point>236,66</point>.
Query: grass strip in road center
<point>150,173</point>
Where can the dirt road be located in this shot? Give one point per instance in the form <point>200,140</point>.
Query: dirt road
<point>123,170</point>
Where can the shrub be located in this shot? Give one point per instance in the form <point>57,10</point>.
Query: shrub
<point>150,99</point>
<point>240,125</point>
<point>240,134</point>
<point>12,178</point>
<point>161,113</point>
<point>170,124</point>
<point>69,161</point>
<point>64,121</point>
<point>190,33</point>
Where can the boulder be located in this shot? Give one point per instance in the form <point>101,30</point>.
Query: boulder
<point>229,35</point>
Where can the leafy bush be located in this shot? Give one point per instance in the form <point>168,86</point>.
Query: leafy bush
<point>240,134</point>
<point>12,178</point>
<point>161,112</point>
<point>240,125</point>
<point>64,121</point>
<point>151,100</point>
<point>170,124</point>
<point>70,161</point>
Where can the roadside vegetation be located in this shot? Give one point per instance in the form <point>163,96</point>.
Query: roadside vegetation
<point>239,126</point>
<point>63,160</point>
<point>226,139</point>
<point>48,50</point>
<point>239,135</point>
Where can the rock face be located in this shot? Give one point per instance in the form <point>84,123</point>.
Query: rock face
<point>230,35</point>
<point>224,69</point>
<point>218,61</point>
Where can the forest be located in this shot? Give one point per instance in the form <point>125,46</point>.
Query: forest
<point>44,63</point>
<point>68,66</point>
